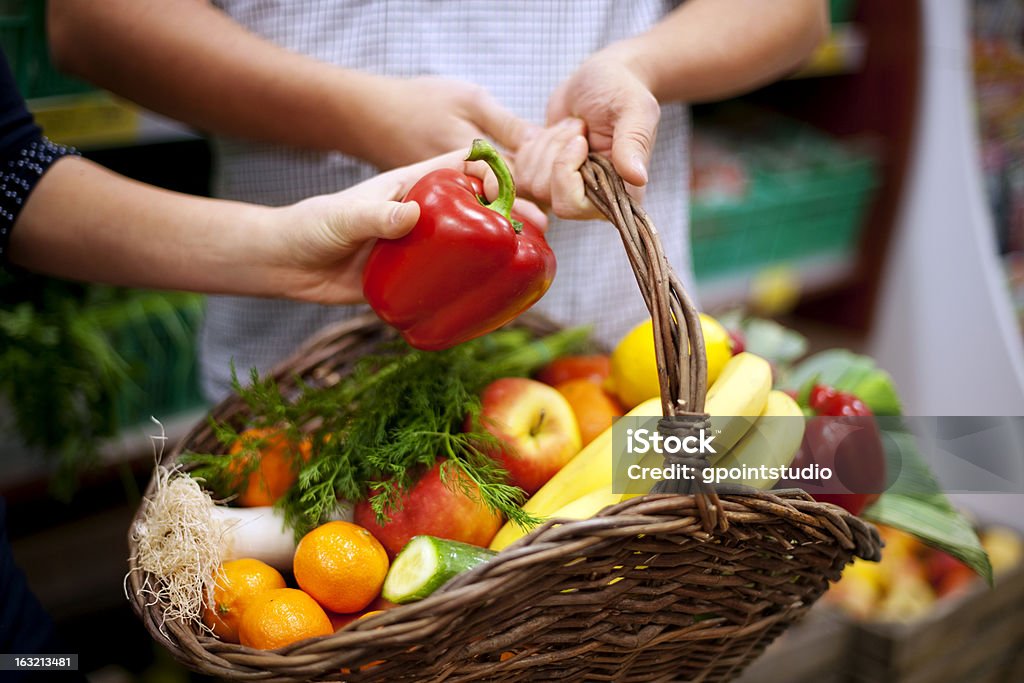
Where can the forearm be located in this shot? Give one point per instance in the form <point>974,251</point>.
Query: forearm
<point>713,49</point>
<point>188,60</point>
<point>85,223</point>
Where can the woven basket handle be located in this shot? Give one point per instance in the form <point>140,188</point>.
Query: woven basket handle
<point>678,338</point>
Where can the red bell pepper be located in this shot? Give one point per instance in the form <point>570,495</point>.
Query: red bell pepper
<point>466,268</point>
<point>826,400</point>
<point>845,439</point>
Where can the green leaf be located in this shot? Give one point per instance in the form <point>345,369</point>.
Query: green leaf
<point>935,523</point>
<point>849,372</point>
<point>829,366</point>
<point>777,344</point>
<point>915,504</point>
<point>854,375</point>
<point>803,394</point>
<point>879,393</point>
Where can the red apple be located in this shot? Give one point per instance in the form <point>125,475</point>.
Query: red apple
<point>595,368</point>
<point>536,427</point>
<point>431,507</point>
<point>948,574</point>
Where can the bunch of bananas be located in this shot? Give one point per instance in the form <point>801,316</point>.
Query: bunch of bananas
<point>742,406</point>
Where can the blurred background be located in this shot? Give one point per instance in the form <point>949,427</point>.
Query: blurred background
<point>873,200</point>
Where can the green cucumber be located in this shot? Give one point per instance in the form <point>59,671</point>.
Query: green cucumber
<point>425,564</point>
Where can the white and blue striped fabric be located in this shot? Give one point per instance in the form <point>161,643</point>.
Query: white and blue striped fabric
<point>520,52</point>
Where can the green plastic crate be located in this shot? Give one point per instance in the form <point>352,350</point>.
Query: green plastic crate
<point>14,23</point>
<point>155,335</point>
<point>806,198</point>
<point>23,38</point>
<point>842,10</point>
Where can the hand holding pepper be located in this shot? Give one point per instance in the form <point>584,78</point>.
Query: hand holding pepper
<point>466,268</point>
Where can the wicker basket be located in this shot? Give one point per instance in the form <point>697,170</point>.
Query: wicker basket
<point>665,587</point>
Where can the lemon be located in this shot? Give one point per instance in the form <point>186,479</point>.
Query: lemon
<point>775,291</point>
<point>634,370</point>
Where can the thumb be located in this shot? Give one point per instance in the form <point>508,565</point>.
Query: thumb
<point>633,139</point>
<point>362,220</point>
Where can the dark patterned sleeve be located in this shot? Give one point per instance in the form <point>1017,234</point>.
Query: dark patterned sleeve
<point>25,155</point>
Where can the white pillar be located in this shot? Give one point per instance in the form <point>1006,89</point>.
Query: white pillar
<point>944,326</point>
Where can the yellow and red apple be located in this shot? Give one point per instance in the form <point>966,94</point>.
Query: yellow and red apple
<point>535,426</point>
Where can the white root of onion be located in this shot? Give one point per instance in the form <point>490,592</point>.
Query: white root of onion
<point>260,533</point>
<point>178,542</point>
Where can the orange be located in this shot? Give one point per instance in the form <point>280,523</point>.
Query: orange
<point>238,582</point>
<point>282,616</point>
<point>594,408</point>
<point>276,470</point>
<point>341,565</point>
<point>596,368</point>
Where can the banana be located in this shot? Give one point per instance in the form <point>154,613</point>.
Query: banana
<point>734,402</point>
<point>588,505</point>
<point>584,507</point>
<point>588,471</point>
<point>737,398</point>
<point>773,441</point>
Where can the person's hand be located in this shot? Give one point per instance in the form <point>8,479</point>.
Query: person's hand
<point>547,169</point>
<point>620,116</point>
<point>321,244</point>
<point>418,118</point>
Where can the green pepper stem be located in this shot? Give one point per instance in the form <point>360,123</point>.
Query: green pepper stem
<point>485,151</point>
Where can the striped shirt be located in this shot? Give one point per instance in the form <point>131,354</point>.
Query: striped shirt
<point>520,52</point>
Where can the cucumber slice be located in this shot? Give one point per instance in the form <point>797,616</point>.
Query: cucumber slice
<point>425,564</point>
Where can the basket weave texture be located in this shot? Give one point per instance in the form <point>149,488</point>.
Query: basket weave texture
<point>667,587</point>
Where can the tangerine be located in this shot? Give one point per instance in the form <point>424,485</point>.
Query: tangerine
<point>596,368</point>
<point>280,617</point>
<point>594,408</point>
<point>238,582</point>
<point>341,565</point>
<point>277,467</point>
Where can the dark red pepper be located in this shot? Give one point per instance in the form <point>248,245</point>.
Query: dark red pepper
<point>466,268</point>
<point>845,439</point>
<point>826,400</point>
<point>851,447</point>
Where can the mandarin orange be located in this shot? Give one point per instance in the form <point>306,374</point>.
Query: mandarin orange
<point>280,617</point>
<point>341,565</point>
<point>595,409</point>
<point>278,461</point>
<point>238,582</point>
